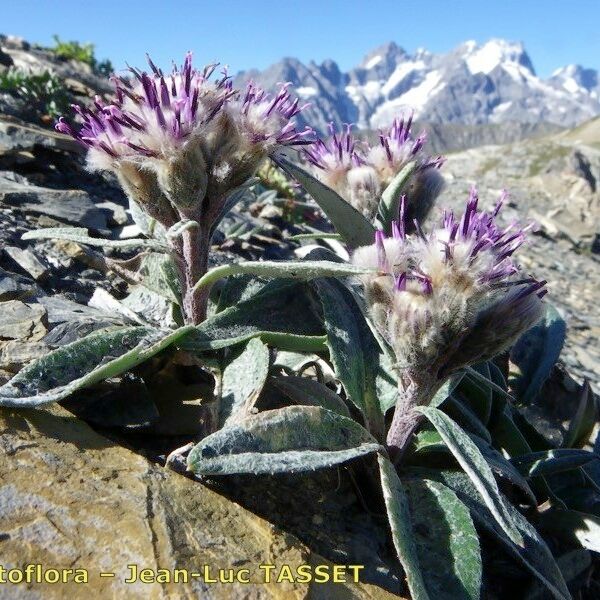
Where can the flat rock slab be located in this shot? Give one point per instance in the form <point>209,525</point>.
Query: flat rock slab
<point>16,136</point>
<point>70,498</point>
<point>22,321</point>
<point>74,207</point>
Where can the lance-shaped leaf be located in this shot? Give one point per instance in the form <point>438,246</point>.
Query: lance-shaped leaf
<point>284,440</point>
<point>80,235</point>
<point>446,390</point>
<point>552,461</point>
<point>348,222</point>
<point>390,198</point>
<point>584,420</point>
<point>398,513</point>
<point>534,554</point>
<point>280,314</point>
<point>353,349</point>
<point>243,380</point>
<point>474,464</point>
<point>536,352</point>
<point>573,527</point>
<point>305,270</point>
<point>96,357</point>
<point>446,540</point>
<point>308,392</point>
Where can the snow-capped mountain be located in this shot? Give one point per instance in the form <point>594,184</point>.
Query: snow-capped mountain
<point>472,84</point>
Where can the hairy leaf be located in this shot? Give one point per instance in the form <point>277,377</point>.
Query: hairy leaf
<point>390,198</point>
<point>472,461</point>
<point>353,349</point>
<point>80,235</point>
<point>284,269</point>
<point>96,357</point>
<point>533,554</point>
<point>446,390</point>
<point>243,380</point>
<point>552,461</point>
<point>399,518</point>
<point>536,352</point>
<point>573,527</point>
<point>285,440</point>
<point>584,420</point>
<point>308,392</point>
<point>279,314</point>
<point>348,222</point>
<point>447,543</point>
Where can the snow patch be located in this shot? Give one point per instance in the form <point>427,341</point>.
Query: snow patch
<point>400,72</point>
<point>492,54</point>
<point>306,91</point>
<point>372,62</point>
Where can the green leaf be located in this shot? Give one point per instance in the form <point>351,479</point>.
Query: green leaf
<point>390,199</point>
<point>242,382</point>
<point>533,554</point>
<point>447,543</point>
<point>474,464</point>
<point>478,395</point>
<point>586,417</point>
<point>285,440</point>
<point>573,527</point>
<point>81,236</point>
<point>387,384</point>
<point>348,222</point>
<point>503,467</point>
<point>427,441</point>
<point>549,462</point>
<point>398,512</point>
<point>280,314</point>
<point>308,392</point>
<point>286,270</point>
<point>159,274</point>
<point>446,390</point>
<point>353,349</point>
<point>96,357</point>
<point>462,413</point>
<point>536,352</point>
<point>317,235</point>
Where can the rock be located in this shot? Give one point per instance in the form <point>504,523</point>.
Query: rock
<point>18,136</point>
<point>5,59</point>
<point>14,355</point>
<point>28,261</point>
<point>22,321</point>
<point>14,287</point>
<point>73,499</point>
<point>73,207</point>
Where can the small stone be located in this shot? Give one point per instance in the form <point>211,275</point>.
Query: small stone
<point>22,321</point>
<point>117,215</point>
<point>28,261</point>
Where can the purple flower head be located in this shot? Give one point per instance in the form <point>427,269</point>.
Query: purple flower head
<point>453,296</point>
<point>188,130</point>
<point>397,148</point>
<point>359,173</point>
<point>268,119</point>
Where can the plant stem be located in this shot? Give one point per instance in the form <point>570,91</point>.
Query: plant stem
<point>406,420</point>
<point>195,247</point>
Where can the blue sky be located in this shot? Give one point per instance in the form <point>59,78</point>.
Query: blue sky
<point>244,34</point>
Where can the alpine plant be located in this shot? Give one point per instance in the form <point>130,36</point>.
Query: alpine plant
<point>359,173</point>
<point>446,300</point>
<point>180,144</point>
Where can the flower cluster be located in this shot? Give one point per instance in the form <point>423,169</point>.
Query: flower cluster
<point>453,297</point>
<point>359,172</point>
<point>197,137</point>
